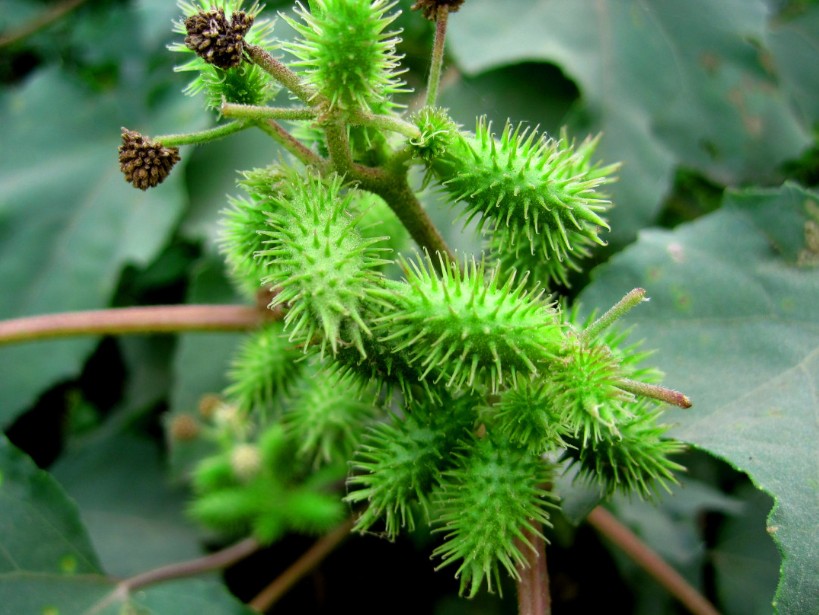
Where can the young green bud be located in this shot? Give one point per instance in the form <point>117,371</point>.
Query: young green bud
<point>347,53</point>
<point>635,461</point>
<point>467,327</point>
<point>539,193</point>
<point>485,505</point>
<point>325,269</point>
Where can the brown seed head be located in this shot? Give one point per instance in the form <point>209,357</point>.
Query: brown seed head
<point>430,7</point>
<point>145,163</point>
<point>215,39</point>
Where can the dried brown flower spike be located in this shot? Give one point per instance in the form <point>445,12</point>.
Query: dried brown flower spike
<point>145,163</point>
<point>430,7</point>
<point>215,39</point>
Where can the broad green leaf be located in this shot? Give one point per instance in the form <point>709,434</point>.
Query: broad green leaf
<point>47,563</point>
<point>794,44</point>
<point>49,594</point>
<point>134,517</point>
<point>68,220</point>
<point>668,83</point>
<point>745,562</point>
<point>40,529</point>
<point>733,316</point>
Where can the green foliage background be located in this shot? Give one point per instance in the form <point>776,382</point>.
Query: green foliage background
<point>713,107</point>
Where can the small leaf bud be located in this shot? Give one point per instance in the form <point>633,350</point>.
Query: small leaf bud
<point>184,428</point>
<point>245,460</point>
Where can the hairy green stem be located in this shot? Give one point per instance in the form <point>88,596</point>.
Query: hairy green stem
<point>258,113</point>
<point>387,122</point>
<point>282,74</point>
<point>338,144</point>
<point>605,523</point>
<point>135,320</point>
<point>309,560</point>
<point>202,136</point>
<point>669,396</point>
<point>291,144</point>
<point>437,55</point>
<point>533,586</point>
<point>617,311</point>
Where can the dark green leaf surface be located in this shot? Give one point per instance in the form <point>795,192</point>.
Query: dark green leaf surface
<point>668,84</point>
<point>68,220</point>
<point>40,528</point>
<point>135,519</point>
<point>48,594</point>
<point>733,316</point>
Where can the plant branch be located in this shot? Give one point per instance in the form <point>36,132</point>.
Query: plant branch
<point>291,144</point>
<point>605,523</point>
<point>533,586</point>
<point>396,191</point>
<point>441,20</point>
<point>215,561</point>
<point>202,136</point>
<point>258,113</point>
<point>669,396</point>
<point>44,19</point>
<point>386,122</point>
<point>282,74</point>
<point>618,310</point>
<point>309,560</point>
<point>130,320</point>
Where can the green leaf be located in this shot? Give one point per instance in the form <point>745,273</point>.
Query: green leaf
<point>733,315</point>
<point>745,562</point>
<point>68,220</point>
<point>40,528</point>
<point>47,563</point>
<point>48,594</point>
<point>135,518</point>
<point>668,84</point>
<point>793,44</point>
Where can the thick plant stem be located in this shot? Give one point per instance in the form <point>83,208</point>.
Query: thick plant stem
<point>437,55</point>
<point>202,136</point>
<point>605,523</point>
<point>533,586</point>
<point>120,321</point>
<point>402,200</point>
<point>309,560</point>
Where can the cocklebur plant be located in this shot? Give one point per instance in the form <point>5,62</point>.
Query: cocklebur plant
<point>452,393</point>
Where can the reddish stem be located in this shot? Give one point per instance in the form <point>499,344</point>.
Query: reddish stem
<point>605,523</point>
<point>533,586</point>
<point>309,560</point>
<point>119,321</point>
